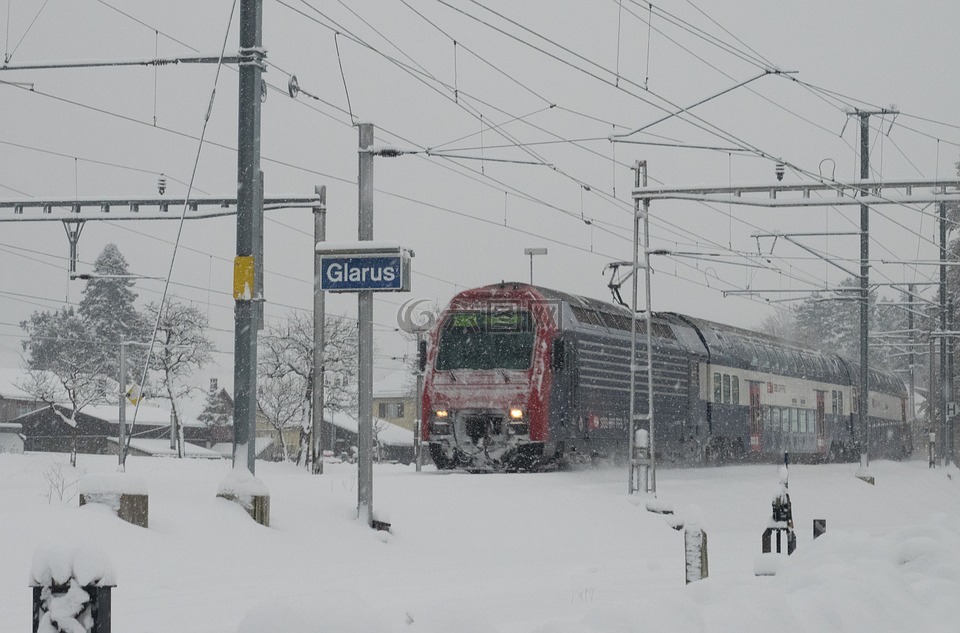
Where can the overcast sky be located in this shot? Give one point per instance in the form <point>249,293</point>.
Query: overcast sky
<point>533,82</point>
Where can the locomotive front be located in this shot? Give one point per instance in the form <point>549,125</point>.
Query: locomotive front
<point>486,389</point>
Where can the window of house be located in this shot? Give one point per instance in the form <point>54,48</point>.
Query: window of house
<point>391,410</point>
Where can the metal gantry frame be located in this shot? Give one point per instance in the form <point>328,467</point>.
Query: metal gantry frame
<point>863,193</point>
<point>641,454</point>
<point>74,213</point>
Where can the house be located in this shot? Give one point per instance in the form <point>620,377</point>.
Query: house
<point>97,429</point>
<point>394,443</point>
<point>394,398</point>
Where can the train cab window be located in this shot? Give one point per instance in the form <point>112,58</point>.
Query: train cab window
<point>717,394</point>
<point>785,418</point>
<point>809,421</point>
<point>794,420</point>
<point>735,389</point>
<point>726,388</point>
<point>833,401</point>
<point>768,418</point>
<point>486,340</point>
<point>840,402</point>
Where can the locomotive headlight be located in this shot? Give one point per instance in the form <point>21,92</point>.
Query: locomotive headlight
<point>516,413</point>
<point>441,413</point>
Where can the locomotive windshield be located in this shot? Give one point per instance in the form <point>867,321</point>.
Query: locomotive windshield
<point>486,340</point>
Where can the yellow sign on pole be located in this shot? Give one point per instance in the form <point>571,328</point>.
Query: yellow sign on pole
<point>243,278</point>
<point>133,394</point>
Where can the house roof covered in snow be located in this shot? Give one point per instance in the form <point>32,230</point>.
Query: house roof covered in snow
<point>160,447</point>
<point>148,413</point>
<point>398,384</point>
<point>225,449</point>
<point>389,433</point>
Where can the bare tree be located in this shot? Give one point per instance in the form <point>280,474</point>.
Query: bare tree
<point>287,351</point>
<point>183,348</point>
<point>280,401</point>
<point>63,364</point>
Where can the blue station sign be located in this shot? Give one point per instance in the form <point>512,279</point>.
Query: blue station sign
<point>361,266</point>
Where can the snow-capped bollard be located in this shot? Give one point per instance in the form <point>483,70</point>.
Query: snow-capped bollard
<point>695,547</point>
<point>241,487</point>
<point>125,494</point>
<point>781,523</point>
<point>71,590</point>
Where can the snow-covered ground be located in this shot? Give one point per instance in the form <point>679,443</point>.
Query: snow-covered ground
<point>547,553</point>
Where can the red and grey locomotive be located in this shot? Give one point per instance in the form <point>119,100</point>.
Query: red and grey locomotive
<point>519,376</point>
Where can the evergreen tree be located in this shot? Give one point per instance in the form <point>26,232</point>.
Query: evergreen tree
<point>217,410</point>
<point>830,323</point>
<point>108,306</point>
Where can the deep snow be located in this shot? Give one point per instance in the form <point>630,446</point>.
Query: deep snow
<point>556,552</point>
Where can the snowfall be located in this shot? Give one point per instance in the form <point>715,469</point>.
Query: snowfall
<point>557,552</point>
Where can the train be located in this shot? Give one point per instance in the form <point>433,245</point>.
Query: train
<point>522,377</point>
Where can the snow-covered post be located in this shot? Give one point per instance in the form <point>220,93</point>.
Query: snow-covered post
<point>125,494</point>
<point>241,487</point>
<point>695,549</point>
<point>71,590</point>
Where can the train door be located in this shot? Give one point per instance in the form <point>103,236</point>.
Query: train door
<point>696,412</point>
<point>819,422</point>
<point>756,418</point>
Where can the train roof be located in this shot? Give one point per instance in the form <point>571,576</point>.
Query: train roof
<point>724,342</point>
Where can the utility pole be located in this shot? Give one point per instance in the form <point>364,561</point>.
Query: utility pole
<point>318,435</point>
<point>418,405</point>
<point>122,411</point>
<point>942,369</point>
<point>248,264</point>
<point>863,405</point>
<point>365,341</point>
<point>912,359</point>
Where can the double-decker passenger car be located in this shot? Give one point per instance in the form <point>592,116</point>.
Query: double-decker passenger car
<point>518,376</point>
